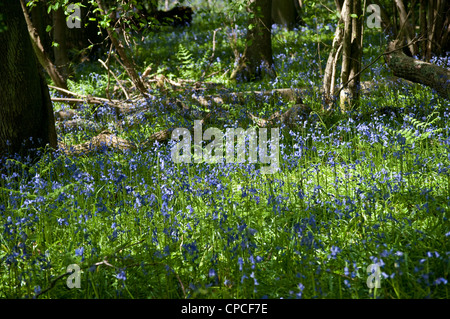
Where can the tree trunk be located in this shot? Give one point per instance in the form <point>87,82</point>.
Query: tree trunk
<point>286,13</point>
<point>59,37</point>
<point>351,54</point>
<point>26,114</point>
<point>406,29</point>
<point>40,20</point>
<point>433,21</point>
<point>431,28</point>
<point>386,22</point>
<point>339,4</point>
<point>129,65</point>
<point>356,53</point>
<point>86,41</point>
<point>257,61</point>
<point>445,39</point>
<point>329,78</point>
<point>346,50</point>
<point>423,27</point>
<point>417,71</point>
<point>40,52</point>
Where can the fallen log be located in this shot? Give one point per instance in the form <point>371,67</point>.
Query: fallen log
<point>291,118</point>
<point>105,140</point>
<point>431,75</point>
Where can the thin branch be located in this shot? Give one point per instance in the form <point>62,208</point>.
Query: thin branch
<point>81,98</point>
<point>210,60</point>
<point>115,77</point>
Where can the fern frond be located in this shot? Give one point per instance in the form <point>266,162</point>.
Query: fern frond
<point>421,126</point>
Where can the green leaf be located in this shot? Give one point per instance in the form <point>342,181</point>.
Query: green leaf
<point>354,16</point>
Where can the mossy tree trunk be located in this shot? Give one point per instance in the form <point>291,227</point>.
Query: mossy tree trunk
<point>26,114</point>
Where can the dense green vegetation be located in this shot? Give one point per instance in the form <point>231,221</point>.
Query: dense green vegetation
<point>368,187</point>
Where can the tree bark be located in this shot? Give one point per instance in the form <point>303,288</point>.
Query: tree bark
<point>433,21</point>
<point>286,13</point>
<point>356,53</point>
<point>59,37</point>
<point>417,71</point>
<point>406,28</point>
<point>347,40</point>
<point>40,20</point>
<point>257,60</point>
<point>329,78</point>
<point>351,54</point>
<point>423,26</point>
<point>386,22</point>
<point>26,115</point>
<point>40,52</point>
<point>339,4</point>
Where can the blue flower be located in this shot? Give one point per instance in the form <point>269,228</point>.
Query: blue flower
<point>301,287</point>
<point>37,290</point>
<point>440,281</point>
<point>240,262</point>
<point>334,252</point>
<point>347,283</point>
<point>79,251</point>
<point>121,275</point>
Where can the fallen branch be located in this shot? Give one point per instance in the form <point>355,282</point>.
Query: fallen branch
<point>291,118</point>
<point>120,107</point>
<point>431,75</point>
<point>105,140</point>
<point>80,97</point>
<point>165,135</point>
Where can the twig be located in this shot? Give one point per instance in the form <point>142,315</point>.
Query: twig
<point>115,77</point>
<point>212,54</point>
<point>52,284</point>
<point>103,262</point>
<point>70,100</point>
<point>109,76</point>
<point>120,62</point>
<point>82,98</point>
<point>63,90</point>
